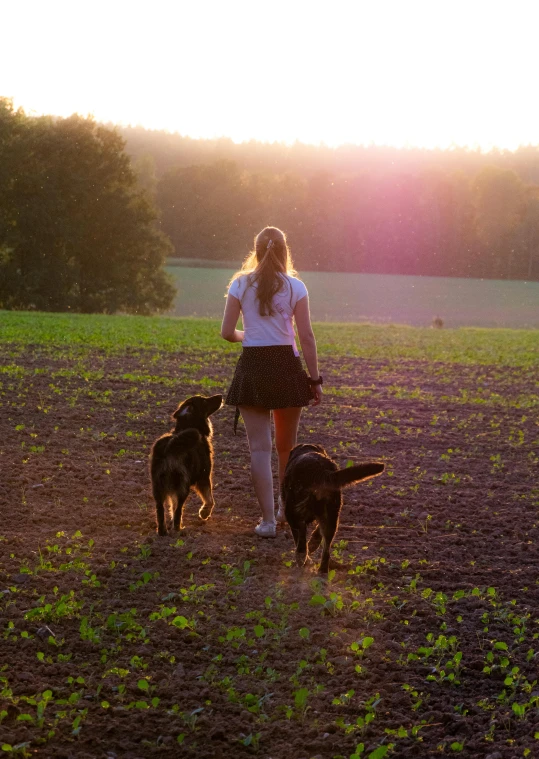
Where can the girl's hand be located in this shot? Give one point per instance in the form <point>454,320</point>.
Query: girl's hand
<point>317,395</point>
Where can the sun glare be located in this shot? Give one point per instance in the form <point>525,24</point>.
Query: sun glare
<point>414,73</point>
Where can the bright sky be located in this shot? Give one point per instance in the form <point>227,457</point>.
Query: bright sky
<point>419,72</point>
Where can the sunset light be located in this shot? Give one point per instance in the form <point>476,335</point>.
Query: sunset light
<point>428,74</point>
<point>269,361</point>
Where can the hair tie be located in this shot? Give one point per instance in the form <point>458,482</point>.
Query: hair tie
<point>269,247</point>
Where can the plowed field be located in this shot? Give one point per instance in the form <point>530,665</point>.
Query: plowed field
<point>424,641</point>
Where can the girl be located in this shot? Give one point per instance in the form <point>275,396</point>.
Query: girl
<point>269,375</point>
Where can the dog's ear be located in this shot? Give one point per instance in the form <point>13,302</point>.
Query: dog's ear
<point>213,404</point>
<point>184,409</point>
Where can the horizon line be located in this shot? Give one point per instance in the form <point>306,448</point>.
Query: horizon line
<point>321,144</point>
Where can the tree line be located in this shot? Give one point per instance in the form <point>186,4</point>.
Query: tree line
<point>456,213</point>
<point>76,230</point>
<point>89,213</point>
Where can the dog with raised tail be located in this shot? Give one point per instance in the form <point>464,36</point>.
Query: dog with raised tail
<point>311,492</point>
<point>182,459</point>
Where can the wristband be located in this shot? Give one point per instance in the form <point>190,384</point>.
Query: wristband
<point>319,381</point>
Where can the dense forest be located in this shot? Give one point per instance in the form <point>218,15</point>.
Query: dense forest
<point>457,212</point>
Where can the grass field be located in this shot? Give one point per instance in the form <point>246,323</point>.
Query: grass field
<point>78,333</point>
<point>340,297</point>
<point>424,639</point>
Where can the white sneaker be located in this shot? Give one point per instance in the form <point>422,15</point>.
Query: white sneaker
<point>280,515</point>
<point>266,529</point>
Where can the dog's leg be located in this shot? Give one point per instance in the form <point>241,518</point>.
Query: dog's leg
<point>160,514</point>
<point>170,508</point>
<point>160,499</point>
<point>299,533</point>
<point>205,492</point>
<point>301,546</point>
<point>315,540</point>
<point>328,529</point>
<point>180,498</point>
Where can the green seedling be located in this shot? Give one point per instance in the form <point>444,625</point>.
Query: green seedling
<point>183,623</point>
<point>363,721</point>
<point>250,741</point>
<point>301,706</point>
<point>359,648</point>
<point>144,579</point>
<point>331,605</point>
<point>424,524</point>
<point>234,575</point>
<point>344,699</point>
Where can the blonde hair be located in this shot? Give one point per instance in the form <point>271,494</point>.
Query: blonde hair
<point>266,265</point>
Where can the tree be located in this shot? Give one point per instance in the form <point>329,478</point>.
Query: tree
<point>208,211</point>
<point>500,203</point>
<point>76,233</point>
<point>527,239</point>
<point>144,167</point>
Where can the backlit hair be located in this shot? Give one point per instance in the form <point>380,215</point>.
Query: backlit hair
<point>265,267</point>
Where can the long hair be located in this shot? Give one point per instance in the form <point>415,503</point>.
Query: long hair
<point>266,265</point>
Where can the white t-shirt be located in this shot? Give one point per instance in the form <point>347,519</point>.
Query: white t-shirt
<point>268,330</point>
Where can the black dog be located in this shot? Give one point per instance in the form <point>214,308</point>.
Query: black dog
<point>311,491</point>
<point>182,459</point>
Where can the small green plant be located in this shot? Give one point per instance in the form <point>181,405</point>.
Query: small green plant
<point>301,697</point>
<point>497,463</point>
<point>250,741</point>
<point>344,699</point>
<point>332,604</point>
<point>190,719</point>
<point>234,575</point>
<point>359,648</point>
<point>424,523</point>
<point>364,720</point>
<point>145,551</point>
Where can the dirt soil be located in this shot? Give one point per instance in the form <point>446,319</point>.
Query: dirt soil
<point>117,643</point>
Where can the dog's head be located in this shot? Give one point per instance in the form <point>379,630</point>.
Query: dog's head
<point>302,448</point>
<point>195,412</point>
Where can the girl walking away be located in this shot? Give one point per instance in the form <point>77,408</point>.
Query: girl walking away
<point>269,375</point>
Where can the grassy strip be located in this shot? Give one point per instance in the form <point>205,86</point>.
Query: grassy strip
<point>114,334</point>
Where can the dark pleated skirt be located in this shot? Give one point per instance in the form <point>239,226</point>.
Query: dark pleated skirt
<point>269,376</point>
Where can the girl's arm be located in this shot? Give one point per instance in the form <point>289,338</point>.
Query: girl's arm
<point>230,319</point>
<point>308,343</point>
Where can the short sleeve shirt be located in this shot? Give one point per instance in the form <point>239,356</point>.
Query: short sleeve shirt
<point>268,330</point>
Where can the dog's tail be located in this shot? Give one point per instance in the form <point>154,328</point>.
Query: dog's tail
<point>182,440</point>
<point>357,473</point>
